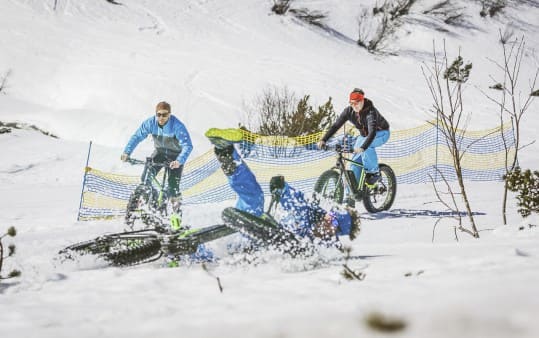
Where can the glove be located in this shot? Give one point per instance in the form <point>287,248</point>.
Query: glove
<point>321,145</point>
<point>124,157</point>
<point>276,187</point>
<point>358,150</point>
<point>276,183</point>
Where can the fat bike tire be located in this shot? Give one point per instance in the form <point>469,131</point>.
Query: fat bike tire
<point>329,186</point>
<point>140,207</point>
<point>121,249</point>
<point>381,196</point>
<point>147,251</point>
<point>266,232</point>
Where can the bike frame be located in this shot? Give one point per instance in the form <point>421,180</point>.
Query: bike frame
<point>149,178</point>
<point>164,243</point>
<point>348,178</point>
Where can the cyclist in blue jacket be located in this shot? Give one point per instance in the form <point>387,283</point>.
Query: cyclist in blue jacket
<point>304,218</point>
<point>171,141</point>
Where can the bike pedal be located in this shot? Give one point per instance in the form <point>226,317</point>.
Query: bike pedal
<point>371,186</point>
<point>175,222</point>
<point>371,179</point>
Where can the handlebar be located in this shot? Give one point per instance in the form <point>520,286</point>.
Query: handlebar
<point>135,161</point>
<point>339,148</point>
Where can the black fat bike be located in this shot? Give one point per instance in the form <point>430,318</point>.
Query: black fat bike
<point>339,185</point>
<point>148,245</point>
<point>149,203</point>
<point>144,246</point>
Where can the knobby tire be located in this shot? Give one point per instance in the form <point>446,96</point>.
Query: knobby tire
<point>267,233</point>
<point>330,186</point>
<point>385,191</point>
<point>139,199</point>
<point>118,249</point>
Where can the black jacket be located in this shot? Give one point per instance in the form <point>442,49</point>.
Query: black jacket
<point>369,122</point>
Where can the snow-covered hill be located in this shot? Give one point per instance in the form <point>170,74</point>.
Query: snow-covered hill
<point>91,70</point>
<point>105,66</point>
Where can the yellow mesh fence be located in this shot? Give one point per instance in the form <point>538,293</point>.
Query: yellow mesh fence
<point>415,154</point>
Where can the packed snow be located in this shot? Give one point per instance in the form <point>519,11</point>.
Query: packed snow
<point>90,70</point>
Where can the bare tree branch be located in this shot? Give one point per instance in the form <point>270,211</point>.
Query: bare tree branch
<point>511,105</point>
<point>445,83</point>
<point>3,80</point>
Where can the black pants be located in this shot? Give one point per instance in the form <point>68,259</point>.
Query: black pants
<point>175,175</point>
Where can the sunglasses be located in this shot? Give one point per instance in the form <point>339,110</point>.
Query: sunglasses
<point>162,114</point>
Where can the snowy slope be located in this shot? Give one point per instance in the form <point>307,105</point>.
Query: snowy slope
<point>91,70</point>
<point>106,65</point>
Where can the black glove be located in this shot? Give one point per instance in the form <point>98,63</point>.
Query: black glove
<point>276,183</point>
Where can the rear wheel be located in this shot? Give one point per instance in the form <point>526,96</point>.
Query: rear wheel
<point>120,249</point>
<point>329,186</point>
<point>381,196</point>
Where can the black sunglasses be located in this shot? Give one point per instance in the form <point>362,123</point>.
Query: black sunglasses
<point>162,114</point>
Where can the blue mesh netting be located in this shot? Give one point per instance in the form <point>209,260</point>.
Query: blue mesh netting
<point>416,155</point>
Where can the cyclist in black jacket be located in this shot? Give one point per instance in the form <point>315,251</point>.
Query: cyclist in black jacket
<point>373,129</point>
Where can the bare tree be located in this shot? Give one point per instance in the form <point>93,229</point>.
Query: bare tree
<point>11,251</point>
<point>3,81</point>
<point>269,109</point>
<point>513,103</point>
<point>448,199</point>
<point>279,112</point>
<point>445,85</point>
<point>448,12</point>
<point>315,18</point>
<point>492,7</point>
<point>376,26</point>
<point>374,32</point>
<point>280,7</point>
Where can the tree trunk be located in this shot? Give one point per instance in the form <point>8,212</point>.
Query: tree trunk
<point>458,169</point>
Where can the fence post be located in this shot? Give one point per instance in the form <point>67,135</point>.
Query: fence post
<point>84,178</point>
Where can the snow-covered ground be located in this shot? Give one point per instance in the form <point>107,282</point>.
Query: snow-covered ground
<point>91,70</point>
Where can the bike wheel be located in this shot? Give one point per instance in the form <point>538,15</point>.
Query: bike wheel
<point>121,249</point>
<point>382,195</point>
<point>139,207</point>
<point>266,232</point>
<point>329,186</point>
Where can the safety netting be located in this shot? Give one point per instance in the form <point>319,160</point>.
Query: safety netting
<point>417,155</point>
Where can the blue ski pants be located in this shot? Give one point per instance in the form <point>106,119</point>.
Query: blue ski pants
<point>369,158</point>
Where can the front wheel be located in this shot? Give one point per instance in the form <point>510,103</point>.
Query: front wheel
<point>140,208</point>
<point>382,195</point>
<point>119,249</point>
<point>329,186</point>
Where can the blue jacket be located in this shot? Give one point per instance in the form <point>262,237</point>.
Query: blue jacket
<point>172,139</point>
<point>302,214</point>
